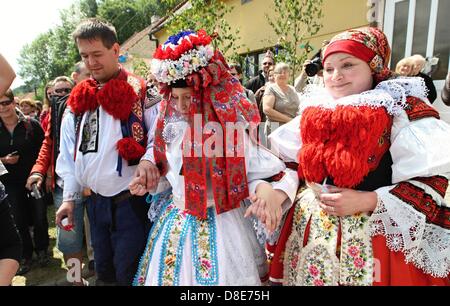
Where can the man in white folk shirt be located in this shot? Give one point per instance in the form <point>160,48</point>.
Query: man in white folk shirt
<point>103,146</point>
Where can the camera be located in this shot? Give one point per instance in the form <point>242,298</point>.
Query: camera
<point>35,192</point>
<point>313,67</point>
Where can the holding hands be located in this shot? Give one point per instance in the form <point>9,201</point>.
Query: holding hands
<point>145,178</point>
<point>266,206</point>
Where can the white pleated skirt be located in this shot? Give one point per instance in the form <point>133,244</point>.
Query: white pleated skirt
<point>183,250</point>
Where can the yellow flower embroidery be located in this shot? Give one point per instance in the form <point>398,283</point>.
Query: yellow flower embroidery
<point>170,260</point>
<point>327,225</point>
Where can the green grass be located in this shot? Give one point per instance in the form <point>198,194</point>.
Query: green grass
<point>55,273</point>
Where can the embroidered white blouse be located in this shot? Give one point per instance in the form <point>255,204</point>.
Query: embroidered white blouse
<point>260,163</point>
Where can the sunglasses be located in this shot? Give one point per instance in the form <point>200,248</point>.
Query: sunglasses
<point>6,103</point>
<point>63,90</point>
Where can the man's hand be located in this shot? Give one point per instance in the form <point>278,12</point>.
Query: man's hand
<point>34,178</point>
<point>65,210</point>
<point>145,178</point>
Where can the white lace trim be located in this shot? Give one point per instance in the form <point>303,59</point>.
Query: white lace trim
<point>390,94</point>
<point>176,124</point>
<point>425,245</point>
<point>174,128</point>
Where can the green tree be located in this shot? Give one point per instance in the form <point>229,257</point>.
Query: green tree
<point>140,68</point>
<point>130,16</point>
<point>89,7</point>
<point>35,61</point>
<point>210,16</point>
<point>54,53</point>
<point>123,15</point>
<point>294,23</point>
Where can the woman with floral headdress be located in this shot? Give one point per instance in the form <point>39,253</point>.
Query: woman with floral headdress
<point>209,163</point>
<point>373,154</point>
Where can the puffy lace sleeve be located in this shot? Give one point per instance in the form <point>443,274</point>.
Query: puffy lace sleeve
<point>285,141</point>
<point>412,214</point>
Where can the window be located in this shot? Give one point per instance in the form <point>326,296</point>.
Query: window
<point>419,27</point>
<point>423,27</point>
<point>251,64</point>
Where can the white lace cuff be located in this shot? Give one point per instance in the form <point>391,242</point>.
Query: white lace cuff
<point>425,245</point>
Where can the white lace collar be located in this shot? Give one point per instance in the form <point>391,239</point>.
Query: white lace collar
<point>390,94</point>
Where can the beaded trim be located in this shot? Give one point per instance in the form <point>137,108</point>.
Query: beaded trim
<point>211,279</point>
<point>153,236</point>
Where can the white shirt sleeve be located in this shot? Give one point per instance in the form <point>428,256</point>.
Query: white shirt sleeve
<point>419,148</point>
<point>262,164</point>
<point>285,141</point>
<point>151,118</point>
<point>65,164</point>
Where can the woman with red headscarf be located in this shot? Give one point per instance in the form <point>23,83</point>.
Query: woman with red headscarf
<point>373,154</point>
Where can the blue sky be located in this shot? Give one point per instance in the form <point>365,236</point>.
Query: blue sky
<point>24,20</point>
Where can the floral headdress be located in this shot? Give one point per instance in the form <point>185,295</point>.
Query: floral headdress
<point>181,55</point>
<point>217,97</point>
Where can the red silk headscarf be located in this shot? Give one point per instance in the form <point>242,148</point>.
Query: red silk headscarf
<point>368,44</point>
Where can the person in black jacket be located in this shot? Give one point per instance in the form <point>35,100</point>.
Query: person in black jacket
<point>445,94</point>
<point>10,243</point>
<point>20,140</point>
<point>411,66</point>
<point>262,78</point>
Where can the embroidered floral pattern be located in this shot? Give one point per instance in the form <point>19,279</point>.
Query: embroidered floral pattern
<point>204,251</point>
<point>317,266</point>
<point>175,225</point>
<point>294,244</point>
<point>173,246</point>
<point>135,83</point>
<point>316,263</point>
<point>356,262</point>
<point>138,132</point>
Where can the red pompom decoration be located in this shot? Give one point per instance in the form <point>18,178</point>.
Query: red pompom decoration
<point>117,98</point>
<point>83,97</point>
<point>342,144</point>
<point>130,149</point>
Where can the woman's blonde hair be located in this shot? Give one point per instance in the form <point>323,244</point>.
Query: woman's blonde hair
<point>280,67</point>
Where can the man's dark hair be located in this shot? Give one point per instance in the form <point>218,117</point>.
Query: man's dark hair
<point>93,28</point>
<point>237,67</point>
